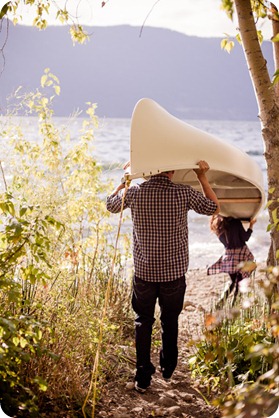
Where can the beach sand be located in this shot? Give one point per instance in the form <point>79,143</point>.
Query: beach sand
<point>202,293</point>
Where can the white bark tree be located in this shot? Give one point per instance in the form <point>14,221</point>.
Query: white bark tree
<point>267,96</point>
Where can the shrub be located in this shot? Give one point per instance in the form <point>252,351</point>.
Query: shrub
<point>238,354</point>
<point>59,295</point>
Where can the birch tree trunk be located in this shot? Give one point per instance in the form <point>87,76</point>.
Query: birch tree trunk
<point>267,100</point>
<point>275,28</point>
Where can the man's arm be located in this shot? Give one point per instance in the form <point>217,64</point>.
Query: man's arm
<point>114,200</point>
<point>118,188</point>
<point>206,188</point>
<point>122,184</point>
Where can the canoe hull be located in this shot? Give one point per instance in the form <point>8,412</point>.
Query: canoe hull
<point>161,142</point>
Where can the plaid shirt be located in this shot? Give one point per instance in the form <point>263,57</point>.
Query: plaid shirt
<point>159,210</point>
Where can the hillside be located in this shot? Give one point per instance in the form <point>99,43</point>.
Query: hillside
<point>190,76</point>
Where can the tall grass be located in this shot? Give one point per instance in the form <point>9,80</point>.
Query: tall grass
<point>56,262</point>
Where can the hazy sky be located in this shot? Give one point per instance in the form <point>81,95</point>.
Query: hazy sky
<point>192,17</point>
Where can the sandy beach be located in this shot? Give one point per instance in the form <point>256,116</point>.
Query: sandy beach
<point>202,292</point>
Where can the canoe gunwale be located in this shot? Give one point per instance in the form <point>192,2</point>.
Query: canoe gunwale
<point>154,171</point>
<point>214,184</point>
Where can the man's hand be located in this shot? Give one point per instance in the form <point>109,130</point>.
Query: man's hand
<point>203,168</point>
<point>206,188</point>
<point>122,184</point>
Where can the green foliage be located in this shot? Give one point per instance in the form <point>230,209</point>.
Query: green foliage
<point>4,10</point>
<point>227,45</point>
<point>78,34</point>
<point>41,8</point>
<point>275,38</point>
<point>225,350</point>
<point>24,260</point>
<point>250,400</point>
<point>260,397</point>
<point>227,6</point>
<point>238,354</point>
<point>55,261</point>
<point>275,78</point>
<point>259,10</point>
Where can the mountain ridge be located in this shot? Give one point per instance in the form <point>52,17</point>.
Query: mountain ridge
<point>190,76</point>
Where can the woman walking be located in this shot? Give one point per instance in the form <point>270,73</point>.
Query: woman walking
<point>233,236</point>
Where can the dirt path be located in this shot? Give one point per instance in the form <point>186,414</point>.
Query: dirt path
<point>180,397</point>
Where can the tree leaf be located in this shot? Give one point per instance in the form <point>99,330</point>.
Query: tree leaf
<point>23,342</point>
<point>274,216</point>
<point>4,10</point>
<point>275,78</point>
<point>275,38</point>
<point>57,89</point>
<point>22,211</point>
<point>16,341</point>
<point>44,80</point>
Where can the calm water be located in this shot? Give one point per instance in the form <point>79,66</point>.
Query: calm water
<point>112,143</point>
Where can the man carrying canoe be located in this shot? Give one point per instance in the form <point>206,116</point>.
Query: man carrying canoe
<point>159,210</point>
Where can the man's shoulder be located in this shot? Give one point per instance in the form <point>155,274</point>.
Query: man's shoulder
<point>182,187</point>
<point>154,183</point>
<point>134,188</point>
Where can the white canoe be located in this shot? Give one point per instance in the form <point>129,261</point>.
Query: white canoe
<point>161,142</point>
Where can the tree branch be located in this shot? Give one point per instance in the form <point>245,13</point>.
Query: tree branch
<point>148,14</point>
<point>4,43</point>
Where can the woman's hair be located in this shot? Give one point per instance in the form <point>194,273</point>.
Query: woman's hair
<point>218,224</point>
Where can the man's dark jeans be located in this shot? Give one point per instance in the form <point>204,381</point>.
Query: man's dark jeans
<point>170,296</point>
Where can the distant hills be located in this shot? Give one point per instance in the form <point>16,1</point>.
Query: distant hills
<point>190,76</point>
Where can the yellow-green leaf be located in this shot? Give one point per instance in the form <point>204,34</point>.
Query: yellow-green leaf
<point>275,38</point>
<point>43,80</point>
<point>4,10</point>
<point>224,43</point>
<point>275,78</point>
<point>229,46</point>
<point>238,38</point>
<point>274,215</point>
<point>23,342</point>
<point>57,90</point>
<point>16,341</point>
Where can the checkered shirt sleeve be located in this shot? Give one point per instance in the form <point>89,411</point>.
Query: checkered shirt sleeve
<point>159,210</point>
